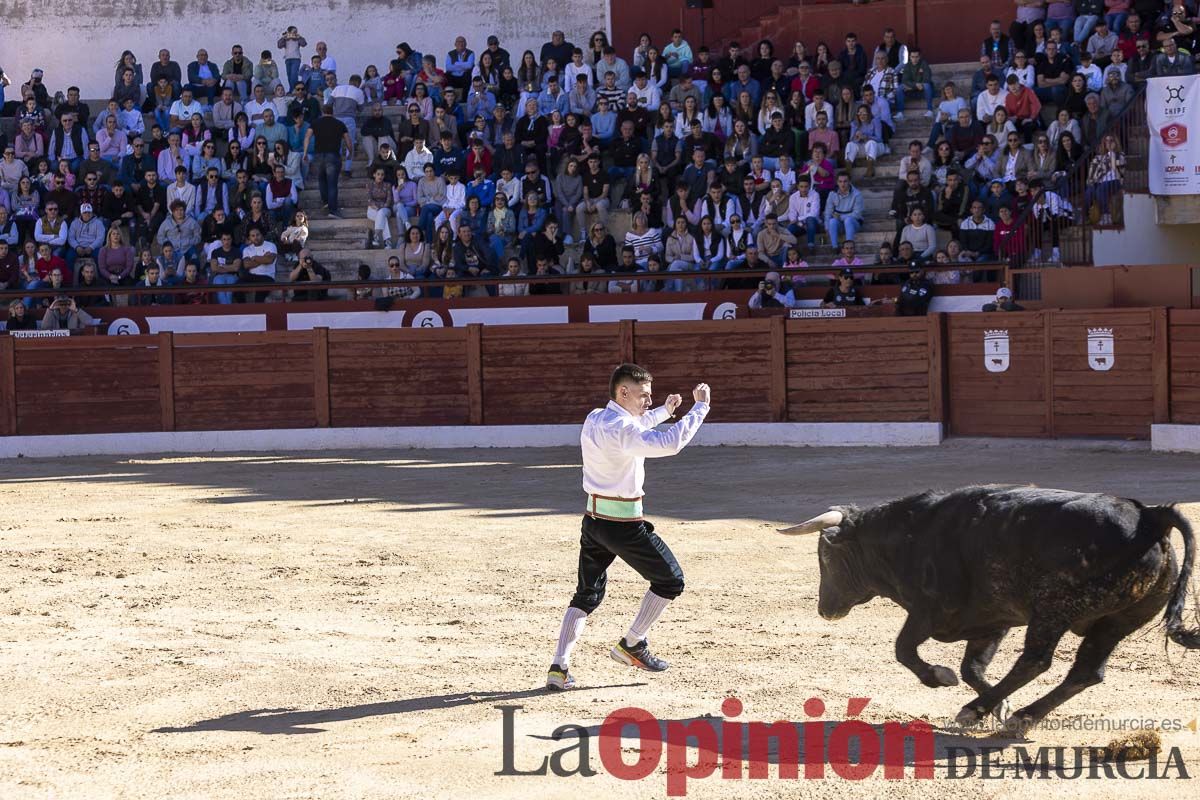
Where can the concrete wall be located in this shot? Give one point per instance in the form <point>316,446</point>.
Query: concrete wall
<point>83,49</point>
<point>1144,240</point>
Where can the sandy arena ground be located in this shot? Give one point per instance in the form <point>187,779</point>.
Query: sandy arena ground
<point>342,625</point>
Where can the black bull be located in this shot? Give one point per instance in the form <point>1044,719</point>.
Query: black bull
<point>969,564</point>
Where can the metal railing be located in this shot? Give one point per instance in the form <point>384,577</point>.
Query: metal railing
<point>809,278</point>
<point>1065,239</point>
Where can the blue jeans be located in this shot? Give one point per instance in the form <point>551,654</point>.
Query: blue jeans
<point>351,126</point>
<point>239,88</point>
<point>848,226</point>
<point>292,66</point>
<point>1116,21</point>
<point>1083,27</point>
<point>224,279</point>
<point>1052,94</point>
<point>204,94</point>
<point>926,89</point>
<point>621,174</point>
<point>429,213</point>
<point>329,167</point>
<point>809,227</point>
<point>1067,26</point>
<point>497,245</point>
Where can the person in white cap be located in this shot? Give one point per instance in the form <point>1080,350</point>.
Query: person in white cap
<point>616,441</point>
<point>1003,301</point>
<point>85,236</point>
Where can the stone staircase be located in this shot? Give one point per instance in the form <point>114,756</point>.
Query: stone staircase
<point>339,244</point>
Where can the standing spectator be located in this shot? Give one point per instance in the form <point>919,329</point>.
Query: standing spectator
<point>329,136</point>
<point>290,42</point>
<point>915,293</point>
<point>347,101</point>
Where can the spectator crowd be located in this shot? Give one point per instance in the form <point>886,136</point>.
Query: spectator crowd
<point>507,165</point>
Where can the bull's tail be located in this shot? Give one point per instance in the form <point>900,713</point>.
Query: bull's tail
<point>1173,618</point>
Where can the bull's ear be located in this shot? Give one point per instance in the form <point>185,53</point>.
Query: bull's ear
<point>837,535</point>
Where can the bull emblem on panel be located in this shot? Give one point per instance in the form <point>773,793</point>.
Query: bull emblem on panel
<point>995,351</point>
<point>1101,356</point>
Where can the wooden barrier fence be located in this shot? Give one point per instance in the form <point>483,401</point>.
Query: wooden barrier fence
<point>1104,373</point>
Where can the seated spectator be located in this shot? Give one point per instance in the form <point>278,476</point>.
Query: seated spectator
<point>769,294</point>
<point>866,139</point>
<point>1003,302</point>
<point>19,319</point>
<point>151,278</point>
<point>65,314</point>
<point>921,235</point>
<point>309,271</point>
<point>843,210</point>
<point>511,286</point>
<point>844,294</point>
<point>85,236</point>
<point>917,77</point>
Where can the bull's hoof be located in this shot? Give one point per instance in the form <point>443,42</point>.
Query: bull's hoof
<point>941,676</point>
<point>968,717</point>
<point>1002,712</point>
<point>1018,725</point>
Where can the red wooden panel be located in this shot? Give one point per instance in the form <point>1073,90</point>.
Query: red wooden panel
<point>1097,411</point>
<point>1008,403</point>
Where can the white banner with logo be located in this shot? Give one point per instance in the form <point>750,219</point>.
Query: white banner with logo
<point>1173,114</point>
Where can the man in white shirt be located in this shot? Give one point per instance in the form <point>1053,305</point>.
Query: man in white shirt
<point>989,100</point>
<point>804,211</point>
<point>616,440</point>
<point>258,263</point>
<point>182,110</point>
<point>254,109</point>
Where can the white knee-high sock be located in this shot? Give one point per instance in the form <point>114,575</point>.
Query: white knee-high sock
<point>652,608</point>
<point>572,628</point>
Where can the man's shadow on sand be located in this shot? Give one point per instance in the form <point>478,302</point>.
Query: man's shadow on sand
<point>273,721</point>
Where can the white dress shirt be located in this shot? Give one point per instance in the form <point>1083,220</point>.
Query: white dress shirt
<point>616,445</point>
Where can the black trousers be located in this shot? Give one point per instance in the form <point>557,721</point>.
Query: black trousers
<point>637,545</point>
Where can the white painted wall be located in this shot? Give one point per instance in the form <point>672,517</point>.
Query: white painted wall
<point>1144,241</point>
<point>778,434</point>
<point>80,43</point>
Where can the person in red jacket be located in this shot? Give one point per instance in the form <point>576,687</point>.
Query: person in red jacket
<point>1023,107</point>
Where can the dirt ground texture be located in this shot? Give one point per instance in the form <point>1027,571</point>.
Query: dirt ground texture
<point>343,625</point>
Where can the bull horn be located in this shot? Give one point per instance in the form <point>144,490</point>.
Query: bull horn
<point>827,520</point>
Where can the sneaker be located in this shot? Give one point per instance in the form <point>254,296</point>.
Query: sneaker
<point>559,678</point>
<point>928,115</point>
<point>1055,256</point>
<point>334,214</point>
<point>638,655</point>
<point>899,115</point>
